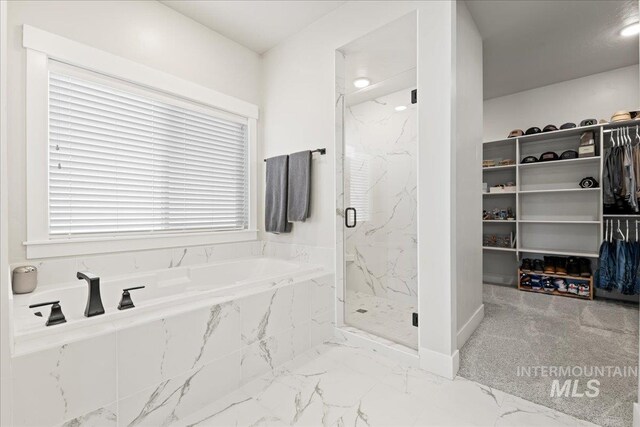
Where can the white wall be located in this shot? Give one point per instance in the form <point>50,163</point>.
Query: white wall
<point>470,309</point>
<point>143,31</point>
<point>597,96</point>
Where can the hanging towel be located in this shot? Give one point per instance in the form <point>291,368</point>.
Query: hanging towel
<point>299,186</point>
<point>275,197</point>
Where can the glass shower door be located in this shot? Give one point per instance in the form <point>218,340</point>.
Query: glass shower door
<point>380,240</point>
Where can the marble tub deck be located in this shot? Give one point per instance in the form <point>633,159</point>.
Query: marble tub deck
<point>523,329</point>
<point>338,385</point>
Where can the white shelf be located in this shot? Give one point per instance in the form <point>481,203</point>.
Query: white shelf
<point>509,221</point>
<point>555,163</point>
<point>499,249</point>
<point>493,168</point>
<point>559,252</point>
<point>508,193</point>
<point>552,221</point>
<point>562,190</point>
<point>621,215</point>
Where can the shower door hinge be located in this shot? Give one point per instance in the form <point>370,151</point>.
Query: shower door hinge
<point>414,319</point>
<point>414,96</point>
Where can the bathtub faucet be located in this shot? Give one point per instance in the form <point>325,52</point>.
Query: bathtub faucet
<point>94,302</point>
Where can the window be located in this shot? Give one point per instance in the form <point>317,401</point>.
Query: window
<point>125,157</point>
<point>122,161</point>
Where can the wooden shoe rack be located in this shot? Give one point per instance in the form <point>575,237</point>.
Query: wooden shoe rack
<point>568,279</point>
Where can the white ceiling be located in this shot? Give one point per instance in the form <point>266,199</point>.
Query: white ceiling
<point>386,56</point>
<point>534,43</point>
<point>258,25</point>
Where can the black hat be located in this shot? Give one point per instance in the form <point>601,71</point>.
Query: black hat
<point>588,122</point>
<point>549,128</point>
<point>532,131</point>
<point>529,159</point>
<point>568,125</point>
<point>548,156</point>
<point>569,154</point>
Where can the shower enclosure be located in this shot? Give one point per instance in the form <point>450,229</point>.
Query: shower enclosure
<point>377,189</point>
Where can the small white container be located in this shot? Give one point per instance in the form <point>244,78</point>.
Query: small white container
<point>24,279</point>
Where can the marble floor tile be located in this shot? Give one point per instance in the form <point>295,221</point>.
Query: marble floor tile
<point>338,385</point>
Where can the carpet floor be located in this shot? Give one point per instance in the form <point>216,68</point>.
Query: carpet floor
<point>524,330</point>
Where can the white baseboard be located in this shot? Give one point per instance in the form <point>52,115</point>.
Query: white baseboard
<point>439,363</point>
<point>465,332</point>
<point>636,415</point>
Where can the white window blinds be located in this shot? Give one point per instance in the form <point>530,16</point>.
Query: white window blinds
<point>120,162</point>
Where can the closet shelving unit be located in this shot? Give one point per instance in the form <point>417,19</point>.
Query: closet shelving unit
<point>554,216</point>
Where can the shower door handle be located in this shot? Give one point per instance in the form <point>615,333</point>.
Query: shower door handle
<point>346,217</point>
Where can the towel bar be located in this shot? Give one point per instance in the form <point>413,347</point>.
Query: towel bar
<point>322,152</point>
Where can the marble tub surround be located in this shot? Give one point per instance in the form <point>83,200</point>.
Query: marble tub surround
<point>156,371</point>
<point>381,182</point>
<point>525,329</point>
<point>340,385</point>
<point>58,271</point>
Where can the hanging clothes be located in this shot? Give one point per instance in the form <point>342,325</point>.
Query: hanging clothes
<point>621,175</point>
<point>619,264</point>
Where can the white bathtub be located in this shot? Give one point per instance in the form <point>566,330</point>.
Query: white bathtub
<point>166,291</point>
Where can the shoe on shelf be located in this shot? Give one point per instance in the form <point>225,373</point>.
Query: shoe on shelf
<point>585,267</point>
<point>560,284</point>
<point>538,267</point>
<point>536,283</point>
<point>525,280</point>
<point>573,266</point>
<point>547,284</point>
<point>549,265</point>
<point>561,266</point>
<point>573,288</point>
<point>583,291</point>
<point>526,265</point>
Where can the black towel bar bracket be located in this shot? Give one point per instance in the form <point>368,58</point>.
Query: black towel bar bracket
<point>322,152</point>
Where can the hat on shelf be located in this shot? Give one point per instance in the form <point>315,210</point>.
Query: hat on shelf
<point>635,115</point>
<point>620,116</point>
<point>532,131</point>
<point>603,121</point>
<point>515,132</point>
<point>548,156</point>
<point>568,125</point>
<point>529,159</point>
<point>549,128</point>
<point>569,154</point>
<point>588,122</point>
<point>588,182</point>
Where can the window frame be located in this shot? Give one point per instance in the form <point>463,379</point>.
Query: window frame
<point>41,47</point>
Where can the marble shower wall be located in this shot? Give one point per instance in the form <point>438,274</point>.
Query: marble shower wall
<point>381,182</point>
<point>156,372</point>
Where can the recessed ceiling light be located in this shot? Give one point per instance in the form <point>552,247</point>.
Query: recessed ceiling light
<point>630,30</point>
<point>361,82</point>
<point>401,107</point>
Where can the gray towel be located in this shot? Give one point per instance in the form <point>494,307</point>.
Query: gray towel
<point>299,186</point>
<point>275,195</point>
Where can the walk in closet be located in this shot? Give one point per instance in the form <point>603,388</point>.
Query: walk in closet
<point>560,225</point>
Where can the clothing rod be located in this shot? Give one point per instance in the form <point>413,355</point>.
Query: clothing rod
<point>621,127</point>
<point>322,152</point>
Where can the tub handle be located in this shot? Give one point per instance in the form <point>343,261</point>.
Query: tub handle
<point>126,301</point>
<point>56,317</point>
